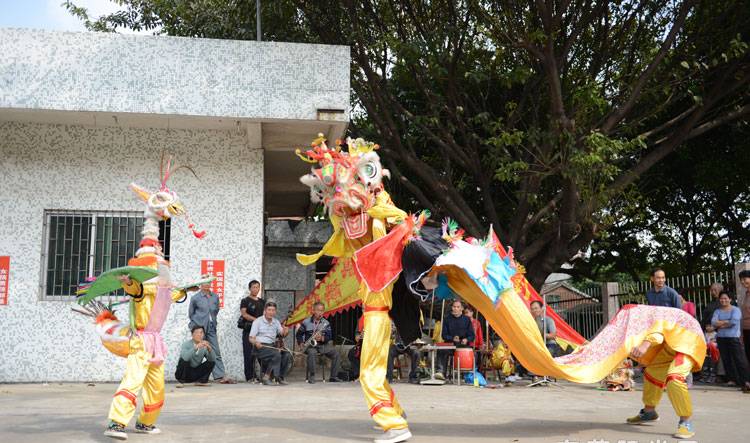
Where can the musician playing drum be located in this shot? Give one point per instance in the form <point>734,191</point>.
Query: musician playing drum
<point>315,337</point>
<point>274,360</point>
<point>458,331</point>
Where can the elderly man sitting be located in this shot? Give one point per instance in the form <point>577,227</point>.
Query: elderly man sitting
<point>263,336</point>
<point>316,337</point>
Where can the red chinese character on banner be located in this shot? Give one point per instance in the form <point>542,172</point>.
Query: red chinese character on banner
<point>4,274</point>
<point>215,268</point>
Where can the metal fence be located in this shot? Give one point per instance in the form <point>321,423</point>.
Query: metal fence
<point>584,314</point>
<point>693,288</point>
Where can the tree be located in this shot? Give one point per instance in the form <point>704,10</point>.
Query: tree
<point>692,213</point>
<point>538,117</point>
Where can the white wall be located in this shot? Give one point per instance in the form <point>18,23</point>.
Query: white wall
<point>75,167</point>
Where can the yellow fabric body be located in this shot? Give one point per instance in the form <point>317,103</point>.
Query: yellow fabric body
<point>373,367</point>
<point>143,305</point>
<point>513,321</point>
<point>377,324</point>
<point>139,375</point>
<point>666,363</point>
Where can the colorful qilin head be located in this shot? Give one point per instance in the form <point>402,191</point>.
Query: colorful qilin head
<point>348,179</point>
<point>160,205</point>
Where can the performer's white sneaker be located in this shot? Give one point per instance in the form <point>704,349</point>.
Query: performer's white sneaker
<point>394,436</point>
<point>146,429</point>
<point>116,431</point>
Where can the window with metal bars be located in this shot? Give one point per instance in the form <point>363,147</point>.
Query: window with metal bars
<point>82,244</point>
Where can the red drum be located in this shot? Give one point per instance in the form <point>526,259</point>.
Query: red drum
<point>464,358</point>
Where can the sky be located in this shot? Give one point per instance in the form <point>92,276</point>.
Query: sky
<point>49,14</point>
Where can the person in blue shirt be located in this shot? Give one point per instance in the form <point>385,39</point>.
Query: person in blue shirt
<point>726,321</point>
<point>456,330</point>
<point>661,294</point>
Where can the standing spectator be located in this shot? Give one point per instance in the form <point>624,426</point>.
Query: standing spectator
<point>204,307</point>
<point>478,342</point>
<point>251,307</point>
<point>315,336</point>
<point>197,359</point>
<point>745,281</point>
<point>708,312</point>
<point>726,320</point>
<point>661,294</point>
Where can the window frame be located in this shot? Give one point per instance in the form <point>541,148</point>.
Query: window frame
<point>91,253</point>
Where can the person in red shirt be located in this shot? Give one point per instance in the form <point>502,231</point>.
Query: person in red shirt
<point>478,342</point>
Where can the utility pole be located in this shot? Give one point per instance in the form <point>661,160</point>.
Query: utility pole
<point>258,34</point>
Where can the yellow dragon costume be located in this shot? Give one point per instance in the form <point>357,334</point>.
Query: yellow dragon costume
<point>371,230</point>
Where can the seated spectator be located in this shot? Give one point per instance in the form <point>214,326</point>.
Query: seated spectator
<point>263,335</point>
<point>456,330</point>
<point>316,338</point>
<point>399,348</point>
<point>197,359</point>
<point>726,321</point>
<point>546,327</point>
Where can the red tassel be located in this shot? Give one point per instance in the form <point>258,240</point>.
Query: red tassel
<point>199,234</point>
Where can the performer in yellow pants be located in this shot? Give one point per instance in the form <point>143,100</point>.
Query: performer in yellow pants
<point>381,400</point>
<point>666,369</point>
<point>140,375</point>
<point>145,372</point>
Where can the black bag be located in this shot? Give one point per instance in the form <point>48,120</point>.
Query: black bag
<point>241,322</point>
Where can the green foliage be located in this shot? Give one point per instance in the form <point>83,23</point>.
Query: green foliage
<point>539,121</point>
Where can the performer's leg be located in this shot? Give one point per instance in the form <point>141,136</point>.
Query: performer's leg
<point>124,401</point>
<point>654,376</point>
<point>380,398</point>
<point>213,340</point>
<point>153,395</point>
<point>677,390</point>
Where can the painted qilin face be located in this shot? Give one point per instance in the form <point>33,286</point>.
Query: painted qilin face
<point>346,182</point>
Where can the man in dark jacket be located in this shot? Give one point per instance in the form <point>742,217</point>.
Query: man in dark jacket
<point>456,330</point>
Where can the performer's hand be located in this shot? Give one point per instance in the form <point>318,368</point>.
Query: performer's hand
<point>640,350</point>
<point>464,341</point>
<point>456,338</point>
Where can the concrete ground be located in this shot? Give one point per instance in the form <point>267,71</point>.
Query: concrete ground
<point>65,412</point>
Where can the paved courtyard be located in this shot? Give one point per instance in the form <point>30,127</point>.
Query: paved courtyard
<point>336,413</point>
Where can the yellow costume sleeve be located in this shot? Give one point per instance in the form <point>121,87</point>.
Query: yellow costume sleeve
<point>334,247</point>
<point>178,295</point>
<point>655,338</point>
<point>133,289</point>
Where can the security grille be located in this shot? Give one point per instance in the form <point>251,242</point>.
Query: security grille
<point>80,244</point>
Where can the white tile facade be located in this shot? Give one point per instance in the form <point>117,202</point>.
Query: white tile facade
<point>45,166</point>
<point>103,72</point>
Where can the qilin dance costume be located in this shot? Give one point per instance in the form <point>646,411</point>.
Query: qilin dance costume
<point>396,255</point>
<point>140,339</point>
<point>349,184</point>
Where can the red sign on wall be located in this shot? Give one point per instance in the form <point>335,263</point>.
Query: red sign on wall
<point>215,268</point>
<point>4,277</point>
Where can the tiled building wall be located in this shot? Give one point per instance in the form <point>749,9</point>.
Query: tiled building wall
<point>106,72</point>
<point>75,167</point>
